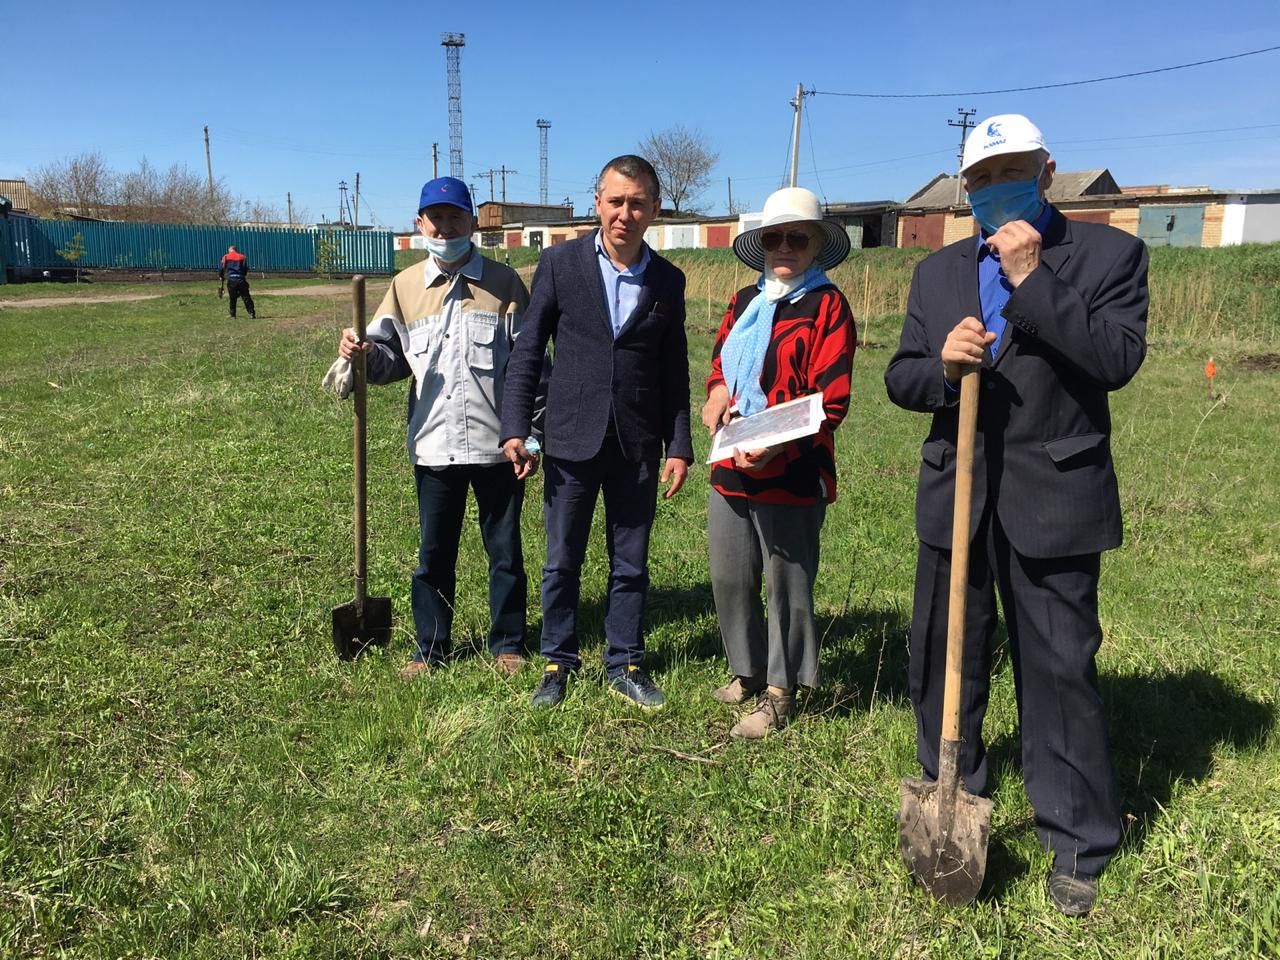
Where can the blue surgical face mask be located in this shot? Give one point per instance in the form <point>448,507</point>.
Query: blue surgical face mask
<point>1001,203</point>
<point>449,250</point>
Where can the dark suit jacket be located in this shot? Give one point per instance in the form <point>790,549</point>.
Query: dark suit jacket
<point>641,378</point>
<point>1076,330</point>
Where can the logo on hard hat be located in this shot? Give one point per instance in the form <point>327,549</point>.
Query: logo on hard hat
<point>993,129</point>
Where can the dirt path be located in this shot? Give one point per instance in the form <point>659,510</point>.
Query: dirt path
<point>60,301</point>
<point>311,290</point>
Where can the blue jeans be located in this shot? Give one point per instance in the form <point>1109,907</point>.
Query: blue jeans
<point>570,490</point>
<point>442,505</point>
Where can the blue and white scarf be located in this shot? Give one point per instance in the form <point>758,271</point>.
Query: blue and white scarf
<point>742,356</point>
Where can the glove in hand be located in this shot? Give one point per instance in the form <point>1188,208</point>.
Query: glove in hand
<point>340,378</point>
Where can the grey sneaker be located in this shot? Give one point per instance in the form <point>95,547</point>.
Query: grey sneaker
<point>771,713</point>
<point>738,690</point>
<point>1074,896</point>
<point>551,688</point>
<point>637,686</point>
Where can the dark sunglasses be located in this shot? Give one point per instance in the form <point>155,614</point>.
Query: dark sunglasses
<point>799,242</point>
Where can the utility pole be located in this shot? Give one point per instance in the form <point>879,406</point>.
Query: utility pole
<point>729,180</point>
<point>798,104</point>
<point>453,44</point>
<point>504,171</point>
<point>435,160</point>
<point>355,214</point>
<point>543,127</point>
<point>342,203</point>
<point>489,174</point>
<point>289,200</point>
<point>208,162</point>
<point>964,123</point>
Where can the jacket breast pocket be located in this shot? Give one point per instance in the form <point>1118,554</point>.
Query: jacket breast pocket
<point>482,340</point>
<point>424,338</point>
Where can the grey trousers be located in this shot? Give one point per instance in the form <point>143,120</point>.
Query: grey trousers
<point>748,539</point>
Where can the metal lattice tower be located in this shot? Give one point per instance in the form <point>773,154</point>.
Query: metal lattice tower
<point>543,127</point>
<point>453,44</point>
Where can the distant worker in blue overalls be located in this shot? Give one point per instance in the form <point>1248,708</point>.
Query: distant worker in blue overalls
<point>235,273</point>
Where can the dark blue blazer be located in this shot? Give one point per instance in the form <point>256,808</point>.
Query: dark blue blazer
<point>1076,331</point>
<point>641,378</point>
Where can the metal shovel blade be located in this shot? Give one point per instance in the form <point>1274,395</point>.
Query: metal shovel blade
<point>942,832</point>
<point>354,630</point>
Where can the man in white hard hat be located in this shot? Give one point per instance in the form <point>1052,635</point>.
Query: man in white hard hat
<point>1051,313</point>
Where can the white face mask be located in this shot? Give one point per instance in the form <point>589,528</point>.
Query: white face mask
<point>776,288</point>
<point>450,250</point>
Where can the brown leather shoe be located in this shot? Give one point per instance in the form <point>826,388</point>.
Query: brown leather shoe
<point>414,669</point>
<point>738,690</point>
<point>771,713</point>
<point>509,664</point>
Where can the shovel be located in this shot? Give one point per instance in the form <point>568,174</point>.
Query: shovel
<point>366,621</point>
<point>942,828</point>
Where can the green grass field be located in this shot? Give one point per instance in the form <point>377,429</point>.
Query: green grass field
<point>186,770</point>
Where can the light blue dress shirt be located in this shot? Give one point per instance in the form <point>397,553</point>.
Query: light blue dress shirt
<point>621,287</point>
<point>994,288</point>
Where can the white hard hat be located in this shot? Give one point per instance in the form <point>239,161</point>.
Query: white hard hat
<point>1003,133</point>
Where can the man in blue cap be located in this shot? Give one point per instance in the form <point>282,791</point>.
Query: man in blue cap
<point>449,323</point>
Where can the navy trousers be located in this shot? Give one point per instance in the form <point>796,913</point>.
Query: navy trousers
<point>442,506</point>
<point>570,489</point>
<point>1051,614</point>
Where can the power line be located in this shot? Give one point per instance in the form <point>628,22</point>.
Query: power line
<point>1179,133</point>
<point>813,155</point>
<point>1047,86</point>
<point>782,182</point>
<point>1054,145</point>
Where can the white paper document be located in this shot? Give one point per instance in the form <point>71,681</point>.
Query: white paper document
<point>774,425</point>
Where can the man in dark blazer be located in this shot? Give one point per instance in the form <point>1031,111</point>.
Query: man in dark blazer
<point>1052,313</point>
<point>617,403</point>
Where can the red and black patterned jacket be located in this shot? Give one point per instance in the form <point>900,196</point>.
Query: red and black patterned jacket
<point>811,351</point>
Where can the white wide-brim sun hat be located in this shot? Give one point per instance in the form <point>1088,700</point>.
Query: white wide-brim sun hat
<point>793,205</point>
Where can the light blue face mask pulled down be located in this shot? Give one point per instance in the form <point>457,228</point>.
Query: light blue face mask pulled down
<point>449,250</point>
<point>1001,203</point>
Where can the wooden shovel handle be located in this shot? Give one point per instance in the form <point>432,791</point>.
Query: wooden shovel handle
<point>959,555</point>
<point>359,391</point>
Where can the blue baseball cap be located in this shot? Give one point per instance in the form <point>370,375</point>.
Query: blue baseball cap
<point>448,190</point>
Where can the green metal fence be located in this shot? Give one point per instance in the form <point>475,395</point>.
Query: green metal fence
<point>4,248</point>
<point>31,244</point>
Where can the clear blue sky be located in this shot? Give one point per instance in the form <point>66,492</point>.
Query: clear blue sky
<point>298,96</point>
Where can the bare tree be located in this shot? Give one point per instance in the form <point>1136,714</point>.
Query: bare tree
<point>85,186</point>
<point>259,211</point>
<point>82,185</point>
<point>683,161</point>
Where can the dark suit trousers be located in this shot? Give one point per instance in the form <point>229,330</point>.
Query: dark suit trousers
<point>570,489</point>
<point>1051,614</point>
<point>442,507</point>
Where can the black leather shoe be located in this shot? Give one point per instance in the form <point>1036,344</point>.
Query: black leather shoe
<point>551,688</point>
<point>637,686</point>
<point>1074,896</point>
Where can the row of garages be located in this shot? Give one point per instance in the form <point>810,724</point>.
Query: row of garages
<point>935,216</point>
<point>1161,217</point>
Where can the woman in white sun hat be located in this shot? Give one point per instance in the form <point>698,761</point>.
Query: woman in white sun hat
<point>787,335</point>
